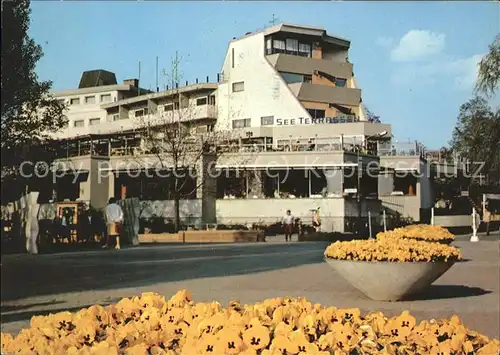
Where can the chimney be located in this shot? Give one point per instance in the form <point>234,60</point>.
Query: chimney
<point>132,82</point>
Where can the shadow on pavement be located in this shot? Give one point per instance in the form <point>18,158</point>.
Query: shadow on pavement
<point>13,308</point>
<point>39,275</point>
<point>448,291</point>
<point>23,316</point>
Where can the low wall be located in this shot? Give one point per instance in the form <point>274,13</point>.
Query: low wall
<point>217,236</point>
<point>407,206</point>
<point>244,211</point>
<point>453,221</point>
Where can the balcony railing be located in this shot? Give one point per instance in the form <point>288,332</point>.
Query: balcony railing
<point>401,149</point>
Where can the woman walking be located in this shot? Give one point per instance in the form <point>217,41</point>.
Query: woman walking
<point>114,222</point>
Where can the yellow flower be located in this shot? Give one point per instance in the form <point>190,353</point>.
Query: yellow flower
<point>256,337</point>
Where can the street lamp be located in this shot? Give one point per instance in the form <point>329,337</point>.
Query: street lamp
<point>358,190</point>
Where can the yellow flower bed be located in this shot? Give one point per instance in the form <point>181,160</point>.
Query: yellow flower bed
<point>420,232</point>
<point>152,325</point>
<point>396,250</point>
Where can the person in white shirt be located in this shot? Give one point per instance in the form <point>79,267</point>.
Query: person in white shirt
<point>288,224</point>
<point>114,221</point>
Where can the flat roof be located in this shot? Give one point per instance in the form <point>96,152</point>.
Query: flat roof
<point>299,29</point>
<point>96,89</point>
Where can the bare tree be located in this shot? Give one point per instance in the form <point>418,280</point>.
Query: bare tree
<point>183,142</point>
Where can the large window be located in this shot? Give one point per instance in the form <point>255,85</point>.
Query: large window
<point>267,120</point>
<point>94,121</point>
<point>141,112</point>
<point>279,46</point>
<point>242,123</point>
<point>304,49</point>
<point>90,99</point>
<point>106,98</point>
<point>79,123</point>
<point>269,46</point>
<point>201,101</point>
<point>291,78</point>
<point>238,86</point>
<point>316,113</point>
<point>75,101</point>
<point>289,46</point>
<point>292,46</point>
<point>340,82</point>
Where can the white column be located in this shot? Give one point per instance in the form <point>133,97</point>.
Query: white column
<point>370,224</point>
<point>475,225</point>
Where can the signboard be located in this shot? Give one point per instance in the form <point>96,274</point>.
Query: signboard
<point>306,121</point>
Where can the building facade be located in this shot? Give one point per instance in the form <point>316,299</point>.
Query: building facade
<point>299,139</point>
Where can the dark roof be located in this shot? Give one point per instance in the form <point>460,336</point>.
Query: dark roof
<point>98,77</point>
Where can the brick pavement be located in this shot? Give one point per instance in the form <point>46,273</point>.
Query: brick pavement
<point>249,273</point>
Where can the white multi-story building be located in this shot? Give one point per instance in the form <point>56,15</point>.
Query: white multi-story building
<point>288,93</point>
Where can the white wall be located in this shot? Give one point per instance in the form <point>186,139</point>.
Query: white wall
<point>85,112</point>
<point>265,94</point>
<point>242,211</point>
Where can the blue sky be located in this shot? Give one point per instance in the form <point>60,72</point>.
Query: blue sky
<point>414,61</point>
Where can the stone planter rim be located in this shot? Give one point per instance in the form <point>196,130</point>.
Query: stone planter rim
<point>395,262</point>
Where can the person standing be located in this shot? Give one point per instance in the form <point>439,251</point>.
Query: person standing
<point>114,222</point>
<point>317,220</point>
<point>288,225</point>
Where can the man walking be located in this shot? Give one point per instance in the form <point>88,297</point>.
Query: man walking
<point>288,224</point>
<point>114,222</point>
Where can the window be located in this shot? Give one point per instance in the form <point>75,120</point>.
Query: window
<point>201,101</point>
<point>94,121</point>
<point>116,117</point>
<point>279,46</point>
<point>242,123</point>
<point>90,99</point>
<point>267,120</point>
<point>106,98</point>
<point>340,82</point>
<point>79,123</point>
<point>292,46</point>
<point>141,112</point>
<point>61,101</point>
<point>291,78</point>
<point>232,57</point>
<point>304,49</point>
<point>176,105</point>
<point>316,113</point>
<point>75,101</point>
<point>239,86</point>
<point>269,46</point>
<point>211,100</point>
<point>168,107</point>
<point>307,78</point>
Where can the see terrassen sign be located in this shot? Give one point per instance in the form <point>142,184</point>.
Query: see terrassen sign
<point>306,121</point>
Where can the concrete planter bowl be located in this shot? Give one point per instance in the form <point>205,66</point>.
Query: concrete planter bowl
<point>389,281</point>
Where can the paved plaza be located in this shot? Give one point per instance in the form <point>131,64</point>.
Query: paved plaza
<point>33,285</point>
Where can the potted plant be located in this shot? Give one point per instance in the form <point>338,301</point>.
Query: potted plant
<point>390,269</point>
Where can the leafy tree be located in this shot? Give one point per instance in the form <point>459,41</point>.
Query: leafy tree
<point>29,115</point>
<point>489,70</point>
<point>476,136</point>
